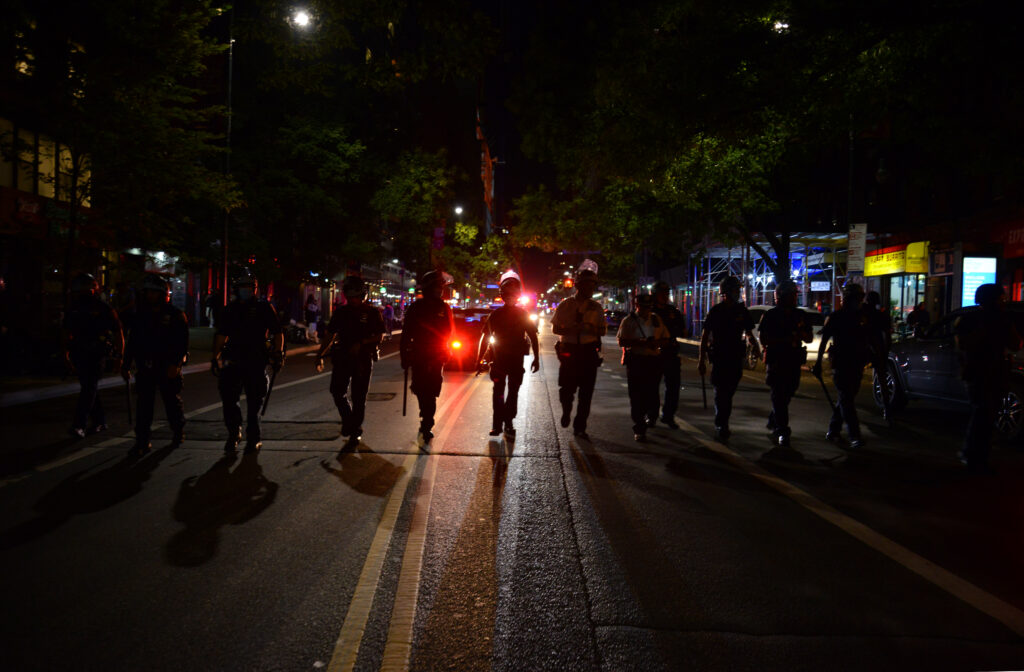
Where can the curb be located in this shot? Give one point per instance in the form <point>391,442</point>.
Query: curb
<point>67,389</point>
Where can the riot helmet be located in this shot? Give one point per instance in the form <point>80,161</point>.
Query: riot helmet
<point>510,285</point>
<point>84,283</point>
<point>156,284</point>
<point>243,282</point>
<point>988,295</point>
<point>353,287</point>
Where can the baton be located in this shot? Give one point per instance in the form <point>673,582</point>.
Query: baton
<point>405,390</point>
<point>128,396</point>
<point>270,388</point>
<point>824,388</point>
<point>703,391</point>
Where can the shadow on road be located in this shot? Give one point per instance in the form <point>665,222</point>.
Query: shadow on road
<point>86,493</point>
<point>219,497</point>
<point>363,470</point>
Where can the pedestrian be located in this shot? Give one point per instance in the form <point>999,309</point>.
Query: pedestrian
<point>579,323</point>
<point>879,328</point>
<point>984,338</point>
<point>848,327</point>
<point>90,339</point>
<point>641,336</point>
<point>157,346</point>
<point>353,336</point>
<point>783,331</point>
<point>389,319</point>
<point>669,357</point>
<point>311,313</point>
<point>726,326</point>
<point>240,358</point>
<point>918,320</point>
<point>511,335</point>
<point>213,305</point>
<point>425,347</point>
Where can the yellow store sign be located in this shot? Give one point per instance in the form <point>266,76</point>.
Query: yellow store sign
<point>912,258</point>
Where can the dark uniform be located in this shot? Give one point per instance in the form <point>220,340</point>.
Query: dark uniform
<point>727,323</point>
<point>669,360</point>
<point>513,332</point>
<point>426,331</point>
<point>247,325</point>
<point>93,334</point>
<point>157,345</point>
<point>848,329</point>
<point>782,333</point>
<point>983,337</point>
<point>352,360</point>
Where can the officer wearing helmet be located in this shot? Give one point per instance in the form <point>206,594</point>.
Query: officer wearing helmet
<point>783,331</point>
<point>157,346</point>
<point>353,335</point>
<point>984,339</point>
<point>424,347</point>
<point>879,328</point>
<point>247,340</point>
<point>848,328</point>
<point>510,335</point>
<point>91,336</point>
<point>579,323</point>
<point>726,326</point>
<point>669,358</point>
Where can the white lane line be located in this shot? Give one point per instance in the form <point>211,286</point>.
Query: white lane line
<point>398,647</point>
<point>983,601</point>
<point>353,629</point>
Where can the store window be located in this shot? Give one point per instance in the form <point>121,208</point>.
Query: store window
<point>905,292</point>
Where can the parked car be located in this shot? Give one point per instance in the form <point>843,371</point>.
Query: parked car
<point>466,337</point>
<point>816,319</point>
<point>612,318</point>
<point>929,366</point>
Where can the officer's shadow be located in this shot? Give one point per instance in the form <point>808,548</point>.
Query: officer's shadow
<point>86,493</point>
<point>363,470</point>
<point>499,451</point>
<point>219,497</point>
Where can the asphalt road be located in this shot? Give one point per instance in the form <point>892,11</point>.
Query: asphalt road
<point>548,553</point>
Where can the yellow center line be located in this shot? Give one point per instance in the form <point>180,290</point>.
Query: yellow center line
<point>346,648</point>
<point>398,647</point>
<point>983,601</point>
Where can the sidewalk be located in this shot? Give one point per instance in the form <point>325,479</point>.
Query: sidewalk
<point>17,390</point>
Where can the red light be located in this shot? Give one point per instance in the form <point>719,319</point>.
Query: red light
<point>568,282</point>
<point>456,344</point>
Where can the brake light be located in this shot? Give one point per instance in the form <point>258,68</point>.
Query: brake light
<point>456,344</point>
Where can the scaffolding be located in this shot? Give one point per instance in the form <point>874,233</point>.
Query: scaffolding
<point>814,258</point>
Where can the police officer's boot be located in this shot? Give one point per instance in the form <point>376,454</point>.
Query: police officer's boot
<point>510,431</point>
<point>253,443</point>
<point>140,448</point>
<point>234,438</point>
<point>178,436</point>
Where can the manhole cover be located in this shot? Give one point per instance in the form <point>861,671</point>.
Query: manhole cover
<point>208,430</point>
<point>380,396</point>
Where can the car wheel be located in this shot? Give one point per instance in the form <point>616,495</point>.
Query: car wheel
<point>897,395</point>
<point>1010,415</point>
<point>751,359</point>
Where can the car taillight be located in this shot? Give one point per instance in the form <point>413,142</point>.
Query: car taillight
<point>456,345</point>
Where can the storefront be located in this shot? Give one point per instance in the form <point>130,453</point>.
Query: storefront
<point>900,274</point>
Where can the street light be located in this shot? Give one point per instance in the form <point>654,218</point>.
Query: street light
<point>301,18</point>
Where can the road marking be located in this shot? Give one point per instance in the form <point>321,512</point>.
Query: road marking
<point>983,601</point>
<point>353,629</point>
<point>398,647</point>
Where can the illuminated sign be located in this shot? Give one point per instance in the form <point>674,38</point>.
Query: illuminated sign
<point>977,271</point>
<point>886,261</point>
<point>917,257</point>
<point>820,285</point>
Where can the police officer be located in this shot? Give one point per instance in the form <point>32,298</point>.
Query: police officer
<point>91,336</point>
<point>848,327</point>
<point>984,339</point>
<point>783,330</point>
<point>157,345</point>
<point>510,335</point>
<point>642,335</point>
<point>726,325</point>
<point>353,335</point>
<point>879,329</point>
<point>579,323</point>
<point>424,347</point>
<point>241,356</point>
<point>669,358</point>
